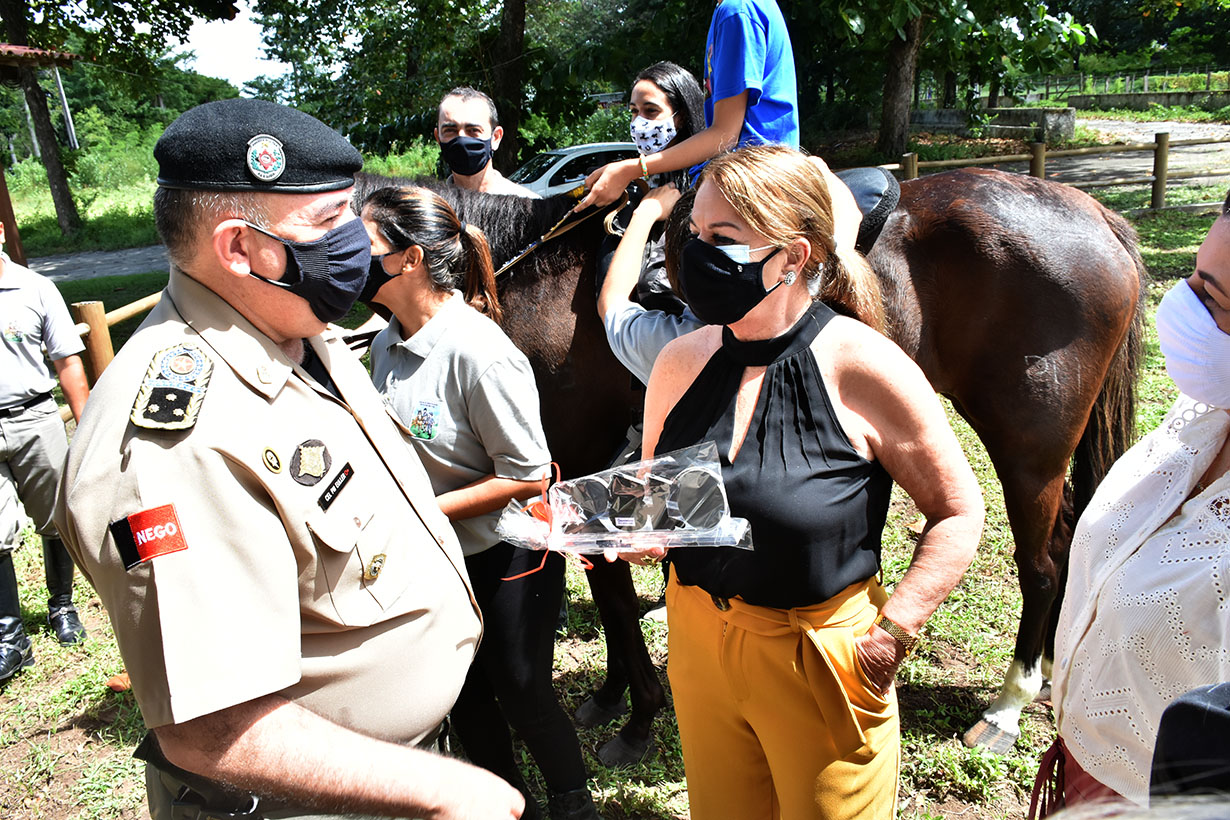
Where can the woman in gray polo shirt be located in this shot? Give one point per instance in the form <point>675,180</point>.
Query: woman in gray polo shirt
<point>467,397</point>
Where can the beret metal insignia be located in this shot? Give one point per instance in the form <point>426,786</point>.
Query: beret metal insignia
<point>173,389</point>
<point>266,159</point>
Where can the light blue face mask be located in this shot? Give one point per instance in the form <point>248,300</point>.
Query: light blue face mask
<point>740,253</point>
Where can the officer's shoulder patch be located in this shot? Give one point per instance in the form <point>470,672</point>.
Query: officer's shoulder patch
<point>173,389</point>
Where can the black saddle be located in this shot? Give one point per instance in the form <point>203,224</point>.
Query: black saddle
<point>877,192</point>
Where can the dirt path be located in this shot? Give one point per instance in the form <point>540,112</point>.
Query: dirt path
<point>87,265</point>
<point>1137,164</point>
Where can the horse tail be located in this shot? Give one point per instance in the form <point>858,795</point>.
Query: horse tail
<point>1111,429</point>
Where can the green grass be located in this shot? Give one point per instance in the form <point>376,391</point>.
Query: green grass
<point>1175,113</point>
<point>122,217</point>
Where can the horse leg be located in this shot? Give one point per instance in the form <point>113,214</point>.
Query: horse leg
<point>1041,536</point>
<point>607,702</point>
<point>615,597</point>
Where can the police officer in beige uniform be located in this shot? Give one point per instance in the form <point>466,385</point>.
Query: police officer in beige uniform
<point>289,601</point>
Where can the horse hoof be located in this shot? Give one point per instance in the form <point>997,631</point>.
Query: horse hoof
<point>988,736</point>
<point>619,752</point>
<point>1044,694</point>
<point>592,713</point>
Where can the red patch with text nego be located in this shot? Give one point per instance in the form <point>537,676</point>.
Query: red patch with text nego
<point>157,532</point>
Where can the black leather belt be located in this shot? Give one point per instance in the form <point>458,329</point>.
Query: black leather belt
<point>5,412</point>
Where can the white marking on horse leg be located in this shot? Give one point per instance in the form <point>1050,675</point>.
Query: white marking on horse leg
<point>1021,684</point>
<point>1048,666</point>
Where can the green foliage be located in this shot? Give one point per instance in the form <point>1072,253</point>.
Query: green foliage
<point>129,36</point>
<point>603,125</point>
<point>419,159</point>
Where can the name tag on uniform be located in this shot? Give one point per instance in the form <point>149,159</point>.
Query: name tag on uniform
<point>335,486</point>
<point>147,534</point>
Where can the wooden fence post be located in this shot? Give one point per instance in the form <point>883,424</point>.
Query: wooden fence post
<point>1161,158</point>
<point>909,165</point>
<point>98,349</point>
<point>1037,160</point>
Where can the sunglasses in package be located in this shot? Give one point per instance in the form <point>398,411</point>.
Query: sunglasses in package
<point>673,500</point>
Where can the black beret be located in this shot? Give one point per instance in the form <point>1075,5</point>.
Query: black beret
<point>254,145</point>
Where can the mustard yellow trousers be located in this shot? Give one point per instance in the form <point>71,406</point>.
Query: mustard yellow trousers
<point>776,716</point>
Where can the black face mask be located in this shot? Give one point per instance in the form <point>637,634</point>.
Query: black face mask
<point>377,278</point>
<point>328,273</point>
<point>466,156</point>
<point>718,289</point>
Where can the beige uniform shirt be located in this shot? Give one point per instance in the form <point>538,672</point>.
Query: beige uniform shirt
<point>286,542</point>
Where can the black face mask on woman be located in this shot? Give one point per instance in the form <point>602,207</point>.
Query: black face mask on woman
<point>328,273</point>
<point>466,156</point>
<point>718,289</point>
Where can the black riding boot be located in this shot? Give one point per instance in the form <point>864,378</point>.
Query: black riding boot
<point>61,614</point>
<point>15,649</point>
<point>577,804</point>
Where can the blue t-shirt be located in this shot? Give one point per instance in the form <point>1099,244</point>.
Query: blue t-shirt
<point>748,49</point>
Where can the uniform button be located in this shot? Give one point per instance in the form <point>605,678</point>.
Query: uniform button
<point>262,373</point>
<point>357,522</point>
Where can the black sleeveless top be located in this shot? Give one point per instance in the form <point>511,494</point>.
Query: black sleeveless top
<point>816,507</point>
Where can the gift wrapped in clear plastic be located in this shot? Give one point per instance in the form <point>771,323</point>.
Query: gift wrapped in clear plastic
<point>673,500</point>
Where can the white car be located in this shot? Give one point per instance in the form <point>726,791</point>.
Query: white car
<point>554,172</point>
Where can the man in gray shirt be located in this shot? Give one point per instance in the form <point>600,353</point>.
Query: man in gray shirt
<point>33,447</point>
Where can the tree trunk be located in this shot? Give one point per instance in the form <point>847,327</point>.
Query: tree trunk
<point>993,94</point>
<point>14,14</point>
<point>509,68</point>
<point>949,99</point>
<point>898,86</point>
<point>57,178</point>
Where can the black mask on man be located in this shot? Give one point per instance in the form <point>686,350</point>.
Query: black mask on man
<point>466,156</point>
<point>329,272</point>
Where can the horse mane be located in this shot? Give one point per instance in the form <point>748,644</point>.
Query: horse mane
<point>510,222</point>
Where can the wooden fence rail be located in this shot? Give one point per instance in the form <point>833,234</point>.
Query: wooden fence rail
<point>910,166</point>
<point>94,327</point>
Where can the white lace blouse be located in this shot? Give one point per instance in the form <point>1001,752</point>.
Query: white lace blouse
<point>1145,612</point>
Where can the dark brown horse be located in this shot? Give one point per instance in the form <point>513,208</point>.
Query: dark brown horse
<point>1021,300</point>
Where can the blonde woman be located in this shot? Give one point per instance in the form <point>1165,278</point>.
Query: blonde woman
<point>782,659</point>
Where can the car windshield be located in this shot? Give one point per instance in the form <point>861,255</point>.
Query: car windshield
<point>533,169</point>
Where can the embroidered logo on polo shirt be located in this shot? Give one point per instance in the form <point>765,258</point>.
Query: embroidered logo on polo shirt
<point>173,389</point>
<point>148,534</point>
<point>425,423</point>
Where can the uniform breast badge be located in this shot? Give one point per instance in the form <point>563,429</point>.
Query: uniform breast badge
<point>372,571</point>
<point>310,462</point>
<point>173,389</point>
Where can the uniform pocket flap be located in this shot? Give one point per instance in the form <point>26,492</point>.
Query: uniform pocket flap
<point>339,531</point>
